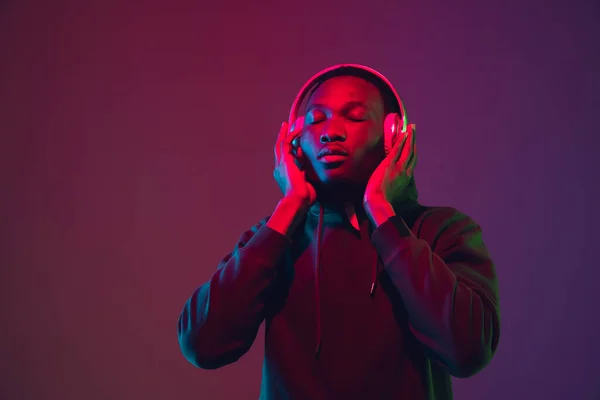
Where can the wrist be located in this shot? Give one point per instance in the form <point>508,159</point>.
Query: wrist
<point>294,203</point>
<point>378,211</point>
<point>287,215</point>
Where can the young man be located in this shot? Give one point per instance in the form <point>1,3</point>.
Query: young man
<point>365,293</point>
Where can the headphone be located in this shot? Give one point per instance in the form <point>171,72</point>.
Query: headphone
<point>393,125</point>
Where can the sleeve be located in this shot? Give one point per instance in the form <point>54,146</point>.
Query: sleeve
<point>449,289</point>
<point>219,322</point>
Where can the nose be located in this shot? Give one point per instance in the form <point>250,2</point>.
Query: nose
<point>333,132</point>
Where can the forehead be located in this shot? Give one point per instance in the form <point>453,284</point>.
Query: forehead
<point>343,89</point>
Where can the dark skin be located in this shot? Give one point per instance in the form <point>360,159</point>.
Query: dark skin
<point>348,112</point>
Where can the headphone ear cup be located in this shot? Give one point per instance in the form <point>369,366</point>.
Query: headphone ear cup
<point>298,124</point>
<point>296,149</point>
<point>392,125</point>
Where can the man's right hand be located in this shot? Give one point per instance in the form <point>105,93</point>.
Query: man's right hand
<point>290,178</point>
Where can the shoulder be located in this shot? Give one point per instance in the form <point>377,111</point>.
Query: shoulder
<point>250,232</point>
<point>444,216</point>
<point>259,224</point>
<point>443,222</point>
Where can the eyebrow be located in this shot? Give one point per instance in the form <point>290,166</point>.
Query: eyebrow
<point>348,106</point>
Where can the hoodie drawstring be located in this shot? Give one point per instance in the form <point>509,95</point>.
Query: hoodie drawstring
<point>375,276</point>
<point>317,270</point>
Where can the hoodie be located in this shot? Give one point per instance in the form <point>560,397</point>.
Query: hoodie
<point>352,311</point>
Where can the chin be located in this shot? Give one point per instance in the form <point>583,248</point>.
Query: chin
<point>339,179</point>
<point>336,174</point>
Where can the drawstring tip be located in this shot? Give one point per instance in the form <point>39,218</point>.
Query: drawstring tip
<point>318,350</point>
<point>372,289</point>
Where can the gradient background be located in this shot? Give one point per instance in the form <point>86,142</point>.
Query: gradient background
<point>137,145</point>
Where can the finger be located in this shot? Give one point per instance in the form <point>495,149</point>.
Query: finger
<point>290,132</point>
<point>280,137</point>
<point>412,159</point>
<point>406,150</point>
<point>412,164</point>
<point>399,147</point>
<point>295,130</point>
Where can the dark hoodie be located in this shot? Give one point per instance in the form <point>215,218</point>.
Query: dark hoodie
<point>385,313</point>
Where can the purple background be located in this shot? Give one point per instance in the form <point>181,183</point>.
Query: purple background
<point>137,145</point>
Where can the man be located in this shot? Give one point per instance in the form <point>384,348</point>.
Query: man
<point>365,293</point>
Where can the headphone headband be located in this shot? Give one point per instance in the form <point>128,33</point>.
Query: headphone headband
<point>318,77</point>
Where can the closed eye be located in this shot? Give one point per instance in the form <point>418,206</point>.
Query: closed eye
<point>315,117</point>
<point>357,119</point>
<point>352,113</point>
<point>356,112</point>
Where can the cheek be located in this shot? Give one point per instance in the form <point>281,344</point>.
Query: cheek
<point>369,142</point>
<point>308,143</point>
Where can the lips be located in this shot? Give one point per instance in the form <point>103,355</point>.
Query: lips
<point>331,151</point>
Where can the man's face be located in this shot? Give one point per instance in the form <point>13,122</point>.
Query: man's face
<point>344,112</point>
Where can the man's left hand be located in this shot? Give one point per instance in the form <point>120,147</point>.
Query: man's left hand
<point>390,179</point>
